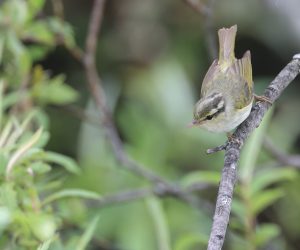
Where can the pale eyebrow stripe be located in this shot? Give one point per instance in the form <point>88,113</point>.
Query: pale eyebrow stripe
<point>210,98</point>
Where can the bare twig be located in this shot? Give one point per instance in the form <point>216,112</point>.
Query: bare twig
<point>58,8</point>
<point>210,38</point>
<point>232,154</point>
<point>97,92</point>
<point>216,149</point>
<point>207,13</point>
<point>280,156</point>
<point>140,193</point>
<point>123,196</point>
<point>79,113</point>
<point>199,7</point>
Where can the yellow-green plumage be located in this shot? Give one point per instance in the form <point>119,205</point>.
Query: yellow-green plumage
<point>227,89</point>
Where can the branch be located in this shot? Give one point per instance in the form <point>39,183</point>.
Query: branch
<point>280,156</point>
<point>199,7</point>
<point>206,10</point>
<point>95,87</point>
<point>233,148</point>
<point>140,193</point>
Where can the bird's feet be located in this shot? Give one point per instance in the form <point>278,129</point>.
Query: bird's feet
<point>261,98</point>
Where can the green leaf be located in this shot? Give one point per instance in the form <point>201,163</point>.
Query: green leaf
<point>63,29</point>
<point>264,199</point>
<point>55,91</point>
<point>1,48</point>
<point>39,32</point>
<point>17,12</point>
<point>5,217</point>
<point>267,177</point>
<point>38,52</point>
<point>6,132</point>
<point>42,225</point>
<point>68,163</point>
<point>264,233</point>
<point>17,156</point>
<point>40,167</point>
<point>1,98</point>
<point>8,196</point>
<point>45,245</point>
<point>35,6</point>
<point>238,208</point>
<point>75,193</point>
<point>88,234</point>
<point>188,241</point>
<point>19,128</point>
<point>158,216</point>
<point>205,177</point>
<point>252,149</point>
<point>18,61</point>
<point>3,161</point>
<point>11,98</point>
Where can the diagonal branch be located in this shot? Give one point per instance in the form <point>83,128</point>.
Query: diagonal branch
<point>280,156</point>
<point>233,148</point>
<point>95,87</point>
<point>206,11</point>
<point>199,7</point>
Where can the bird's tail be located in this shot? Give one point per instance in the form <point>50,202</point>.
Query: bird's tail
<point>226,45</point>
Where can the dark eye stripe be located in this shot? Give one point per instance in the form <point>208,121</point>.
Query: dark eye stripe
<point>209,117</point>
<point>214,115</point>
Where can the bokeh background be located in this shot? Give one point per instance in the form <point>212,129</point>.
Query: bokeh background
<point>152,56</point>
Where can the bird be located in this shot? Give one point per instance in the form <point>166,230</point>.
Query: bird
<point>227,94</point>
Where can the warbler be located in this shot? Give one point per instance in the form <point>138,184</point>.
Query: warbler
<point>227,89</point>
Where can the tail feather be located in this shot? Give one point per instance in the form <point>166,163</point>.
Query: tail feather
<point>226,45</point>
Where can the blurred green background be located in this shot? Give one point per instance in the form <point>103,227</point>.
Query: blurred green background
<point>152,56</point>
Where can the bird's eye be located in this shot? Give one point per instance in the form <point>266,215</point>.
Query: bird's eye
<point>209,117</point>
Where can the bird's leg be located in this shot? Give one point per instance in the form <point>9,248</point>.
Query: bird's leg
<point>261,98</point>
<point>230,136</point>
<point>233,139</point>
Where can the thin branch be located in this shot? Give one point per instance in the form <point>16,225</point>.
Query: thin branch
<point>124,196</point>
<point>97,92</point>
<point>206,11</point>
<point>210,38</point>
<point>280,156</point>
<point>95,86</point>
<point>80,114</point>
<point>58,8</point>
<point>232,153</point>
<point>141,193</point>
<point>199,7</point>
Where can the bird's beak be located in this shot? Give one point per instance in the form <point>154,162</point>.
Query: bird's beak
<point>194,123</point>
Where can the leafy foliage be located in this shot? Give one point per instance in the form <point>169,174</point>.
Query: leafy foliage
<point>44,193</point>
<point>28,185</point>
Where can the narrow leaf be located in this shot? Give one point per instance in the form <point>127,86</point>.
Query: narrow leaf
<point>68,163</point>
<point>267,177</point>
<point>88,234</point>
<point>191,240</point>
<point>22,150</point>
<point>205,177</point>
<point>264,233</point>
<point>158,216</point>
<point>45,245</point>
<point>265,199</point>
<point>252,149</point>
<point>68,193</point>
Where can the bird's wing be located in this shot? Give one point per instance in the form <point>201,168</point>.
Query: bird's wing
<point>209,77</point>
<point>242,67</point>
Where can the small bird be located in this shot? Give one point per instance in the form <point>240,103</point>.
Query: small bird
<point>227,89</point>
